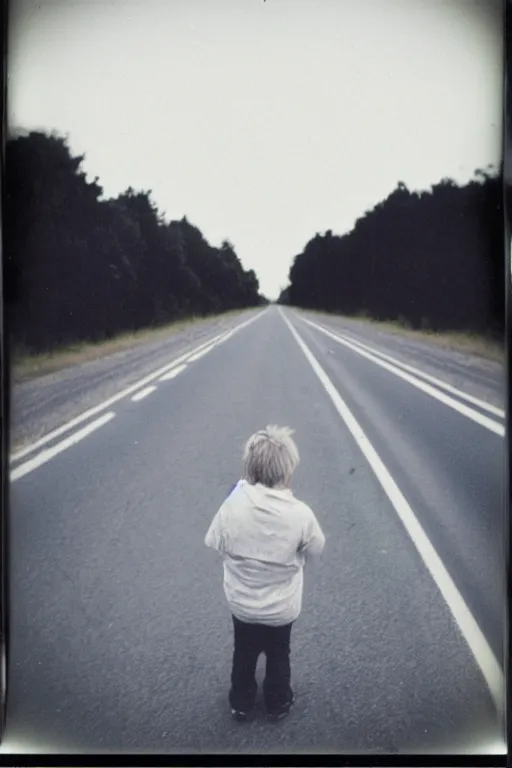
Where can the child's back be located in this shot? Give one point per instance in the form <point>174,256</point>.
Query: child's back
<point>264,533</point>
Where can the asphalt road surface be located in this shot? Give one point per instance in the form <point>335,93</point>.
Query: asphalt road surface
<point>120,636</point>
<point>41,405</point>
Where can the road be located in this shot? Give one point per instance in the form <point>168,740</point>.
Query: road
<point>41,405</point>
<point>121,640</point>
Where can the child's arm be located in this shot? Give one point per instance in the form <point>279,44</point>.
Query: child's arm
<point>313,539</point>
<point>214,538</point>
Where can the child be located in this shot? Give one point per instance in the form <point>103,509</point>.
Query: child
<point>264,534</point>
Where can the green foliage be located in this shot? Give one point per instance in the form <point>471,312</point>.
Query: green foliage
<point>81,268</point>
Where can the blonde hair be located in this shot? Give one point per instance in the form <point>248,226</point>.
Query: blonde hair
<point>271,457</point>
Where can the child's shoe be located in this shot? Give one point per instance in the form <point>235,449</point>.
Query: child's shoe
<point>247,702</point>
<point>240,715</point>
<point>283,711</point>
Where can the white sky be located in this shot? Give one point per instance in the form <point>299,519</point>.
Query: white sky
<point>263,122</point>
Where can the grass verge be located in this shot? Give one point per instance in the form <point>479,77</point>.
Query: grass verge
<point>25,366</point>
<point>465,342</point>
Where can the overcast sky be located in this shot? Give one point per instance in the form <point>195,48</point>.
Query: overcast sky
<point>263,122</point>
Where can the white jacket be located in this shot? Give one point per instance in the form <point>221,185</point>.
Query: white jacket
<point>264,535</point>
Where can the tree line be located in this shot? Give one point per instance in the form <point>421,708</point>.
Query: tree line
<point>431,259</point>
<point>79,267</point>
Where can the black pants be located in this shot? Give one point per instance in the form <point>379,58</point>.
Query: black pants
<point>250,641</point>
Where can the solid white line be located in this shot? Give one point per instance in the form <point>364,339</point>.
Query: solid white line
<point>173,373</point>
<point>49,453</point>
<point>120,395</point>
<point>472,633</point>
<point>478,418</point>
<point>142,394</point>
<point>226,337</point>
<point>199,355</point>
<point>416,371</point>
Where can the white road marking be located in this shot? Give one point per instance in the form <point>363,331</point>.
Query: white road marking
<point>142,394</point>
<point>417,372</point>
<point>172,373</point>
<point>49,453</point>
<point>226,337</point>
<point>470,413</point>
<point>120,395</point>
<point>471,632</point>
<point>199,355</point>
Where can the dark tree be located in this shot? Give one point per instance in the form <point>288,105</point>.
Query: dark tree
<point>431,259</point>
<point>79,267</point>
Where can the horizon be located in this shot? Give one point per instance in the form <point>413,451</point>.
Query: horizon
<point>299,172</point>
